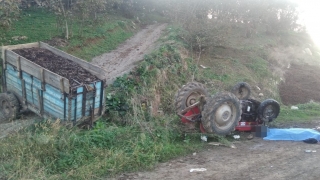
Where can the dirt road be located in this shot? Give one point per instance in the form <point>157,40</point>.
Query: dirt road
<point>255,159</point>
<point>251,160</point>
<point>124,58</point>
<point>16,125</point>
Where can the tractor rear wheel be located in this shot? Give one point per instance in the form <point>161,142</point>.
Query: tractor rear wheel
<point>188,95</point>
<point>242,90</point>
<point>221,113</point>
<point>268,110</point>
<point>9,106</point>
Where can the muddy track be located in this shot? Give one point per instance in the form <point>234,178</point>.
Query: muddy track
<point>11,127</point>
<point>126,56</point>
<point>251,160</point>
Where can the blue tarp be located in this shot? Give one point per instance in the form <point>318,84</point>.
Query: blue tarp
<point>292,134</point>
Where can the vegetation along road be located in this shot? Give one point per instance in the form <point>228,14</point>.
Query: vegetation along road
<point>150,49</point>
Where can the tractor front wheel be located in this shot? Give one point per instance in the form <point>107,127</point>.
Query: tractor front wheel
<point>268,110</point>
<point>221,113</point>
<point>242,90</point>
<point>188,95</point>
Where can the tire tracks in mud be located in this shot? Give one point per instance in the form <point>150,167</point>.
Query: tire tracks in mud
<point>123,59</point>
<point>7,128</point>
<point>251,160</point>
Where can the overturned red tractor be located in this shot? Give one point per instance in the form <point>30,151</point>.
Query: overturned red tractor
<point>225,111</point>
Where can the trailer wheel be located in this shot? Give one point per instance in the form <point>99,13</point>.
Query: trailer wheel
<point>221,113</point>
<point>9,107</point>
<point>268,110</point>
<point>188,95</point>
<point>242,90</point>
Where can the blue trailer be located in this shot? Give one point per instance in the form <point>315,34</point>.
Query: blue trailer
<point>28,86</point>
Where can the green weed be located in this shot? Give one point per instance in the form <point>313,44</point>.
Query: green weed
<point>33,26</point>
<point>51,151</point>
<point>131,136</point>
<point>305,113</point>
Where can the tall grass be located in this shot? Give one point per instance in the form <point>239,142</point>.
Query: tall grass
<point>131,136</point>
<point>34,25</point>
<point>128,138</point>
<point>51,151</point>
<point>305,113</point>
<point>85,42</point>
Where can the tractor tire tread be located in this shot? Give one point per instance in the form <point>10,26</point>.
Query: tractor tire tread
<point>212,105</point>
<point>236,88</point>
<point>14,104</point>
<point>181,94</point>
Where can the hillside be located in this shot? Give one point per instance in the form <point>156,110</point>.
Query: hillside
<point>164,48</point>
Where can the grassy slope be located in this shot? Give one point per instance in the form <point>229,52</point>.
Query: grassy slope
<point>129,138</point>
<point>49,151</point>
<point>36,26</point>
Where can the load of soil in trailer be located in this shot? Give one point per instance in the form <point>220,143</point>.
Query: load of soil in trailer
<point>59,65</point>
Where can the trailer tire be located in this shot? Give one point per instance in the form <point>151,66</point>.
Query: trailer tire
<point>221,113</point>
<point>268,110</point>
<point>242,90</point>
<point>9,107</point>
<point>188,95</point>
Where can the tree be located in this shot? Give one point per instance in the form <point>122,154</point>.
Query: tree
<point>247,16</point>
<point>86,10</point>
<point>61,8</point>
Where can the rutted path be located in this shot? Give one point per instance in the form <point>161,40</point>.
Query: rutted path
<point>251,160</point>
<point>125,57</point>
<point>16,125</point>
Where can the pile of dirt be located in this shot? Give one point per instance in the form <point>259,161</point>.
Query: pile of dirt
<point>59,65</point>
<point>301,84</point>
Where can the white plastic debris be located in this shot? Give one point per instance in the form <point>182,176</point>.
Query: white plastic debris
<point>260,94</point>
<point>294,108</point>
<point>233,146</point>
<point>194,154</point>
<point>198,170</point>
<point>310,151</point>
<point>236,136</point>
<point>204,138</point>
<point>203,66</point>
<point>258,88</point>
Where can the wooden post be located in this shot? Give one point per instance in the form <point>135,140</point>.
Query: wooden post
<point>3,56</point>
<point>4,85</point>
<point>24,94</point>
<point>61,85</point>
<point>19,67</point>
<point>42,79</point>
<point>40,102</point>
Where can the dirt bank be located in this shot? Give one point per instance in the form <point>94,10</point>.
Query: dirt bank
<point>301,84</point>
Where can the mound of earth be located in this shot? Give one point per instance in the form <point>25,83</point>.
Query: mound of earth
<point>301,84</point>
<point>59,65</point>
